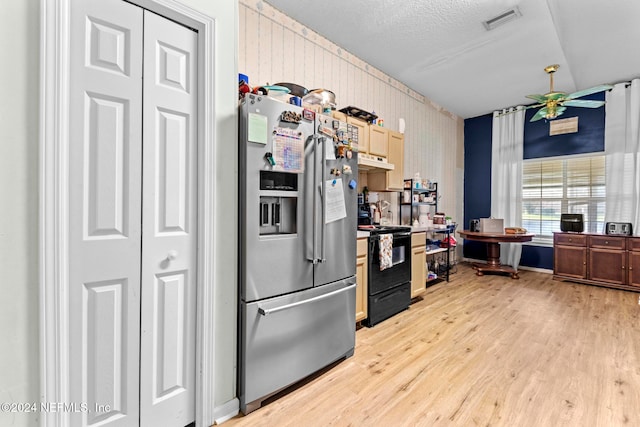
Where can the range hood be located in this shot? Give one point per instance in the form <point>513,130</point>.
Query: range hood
<point>368,162</point>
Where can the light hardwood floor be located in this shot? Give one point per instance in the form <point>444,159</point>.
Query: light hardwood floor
<point>483,351</point>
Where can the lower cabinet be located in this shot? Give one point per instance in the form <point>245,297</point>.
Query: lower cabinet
<point>361,279</point>
<point>597,259</point>
<point>570,255</point>
<point>418,263</point>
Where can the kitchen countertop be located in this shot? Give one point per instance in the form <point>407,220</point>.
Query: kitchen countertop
<point>425,229</point>
<point>364,234</point>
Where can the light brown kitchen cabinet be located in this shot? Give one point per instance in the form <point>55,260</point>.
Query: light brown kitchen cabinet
<point>392,180</point>
<point>338,115</point>
<point>363,133</point>
<point>418,264</point>
<point>395,177</point>
<point>378,141</point>
<point>361,278</point>
<point>597,259</point>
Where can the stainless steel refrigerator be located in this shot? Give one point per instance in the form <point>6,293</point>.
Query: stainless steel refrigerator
<point>297,242</point>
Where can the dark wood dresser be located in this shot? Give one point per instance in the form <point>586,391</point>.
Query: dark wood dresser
<point>597,259</point>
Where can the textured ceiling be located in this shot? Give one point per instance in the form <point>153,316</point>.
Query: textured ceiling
<point>441,49</point>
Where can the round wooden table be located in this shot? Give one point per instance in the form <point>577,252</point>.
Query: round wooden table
<point>493,241</point>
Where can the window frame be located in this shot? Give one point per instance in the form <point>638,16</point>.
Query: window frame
<point>593,201</point>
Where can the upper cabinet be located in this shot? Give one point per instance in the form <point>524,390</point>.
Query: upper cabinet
<point>381,152</point>
<point>363,133</point>
<point>378,141</point>
<point>339,116</point>
<point>392,180</point>
<point>395,177</point>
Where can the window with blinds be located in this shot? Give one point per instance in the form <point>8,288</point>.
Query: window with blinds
<point>551,187</point>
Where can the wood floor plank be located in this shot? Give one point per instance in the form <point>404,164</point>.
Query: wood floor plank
<point>483,351</point>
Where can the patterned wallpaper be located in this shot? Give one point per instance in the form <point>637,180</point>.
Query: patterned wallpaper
<point>275,48</point>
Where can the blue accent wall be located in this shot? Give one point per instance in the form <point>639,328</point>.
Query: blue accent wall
<point>477,178</point>
<point>588,139</point>
<point>537,144</point>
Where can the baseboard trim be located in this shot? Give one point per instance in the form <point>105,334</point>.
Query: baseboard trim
<point>536,269</point>
<point>226,411</point>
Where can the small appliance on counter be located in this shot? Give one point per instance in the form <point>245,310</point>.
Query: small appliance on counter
<point>619,228</point>
<point>424,220</point>
<point>364,214</point>
<point>491,225</point>
<point>571,222</point>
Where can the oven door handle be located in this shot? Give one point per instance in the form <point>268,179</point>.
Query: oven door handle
<point>400,235</point>
<point>267,311</point>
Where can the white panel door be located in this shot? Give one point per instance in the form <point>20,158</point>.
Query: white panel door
<point>132,202</point>
<point>105,160</point>
<point>167,359</point>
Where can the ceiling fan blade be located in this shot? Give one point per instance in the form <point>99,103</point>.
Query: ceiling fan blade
<point>556,95</point>
<point>539,115</point>
<point>583,103</point>
<point>539,98</point>
<point>535,106</point>
<point>560,110</point>
<point>589,91</point>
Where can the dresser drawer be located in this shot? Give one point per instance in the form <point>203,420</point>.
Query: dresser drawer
<point>607,242</point>
<point>418,239</point>
<point>570,239</point>
<point>633,244</point>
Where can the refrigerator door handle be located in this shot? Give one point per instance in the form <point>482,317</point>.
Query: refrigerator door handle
<point>267,311</point>
<point>324,204</point>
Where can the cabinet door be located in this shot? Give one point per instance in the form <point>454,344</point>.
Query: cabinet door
<point>363,134</point>
<point>418,270</point>
<point>338,115</point>
<point>418,263</point>
<point>606,265</point>
<point>570,261</point>
<point>361,280</point>
<point>634,268</point>
<point>378,141</point>
<point>395,177</point>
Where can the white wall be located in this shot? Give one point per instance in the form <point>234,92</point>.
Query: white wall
<point>19,228</point>
<point>19,107</point>
<point>225,13</point>
<point>275,48</point>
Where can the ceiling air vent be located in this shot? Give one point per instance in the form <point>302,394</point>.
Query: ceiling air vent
<point>503,18</point>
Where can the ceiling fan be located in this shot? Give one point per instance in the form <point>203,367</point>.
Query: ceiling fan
<point>555,103</point>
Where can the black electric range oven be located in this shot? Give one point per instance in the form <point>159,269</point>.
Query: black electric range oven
<point>389,290</point>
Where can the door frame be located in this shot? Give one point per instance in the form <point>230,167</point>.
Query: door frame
<point>54,201</point>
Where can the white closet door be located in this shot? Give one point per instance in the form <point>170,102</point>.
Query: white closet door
<point>105,212</point>
<point>167,359</point>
